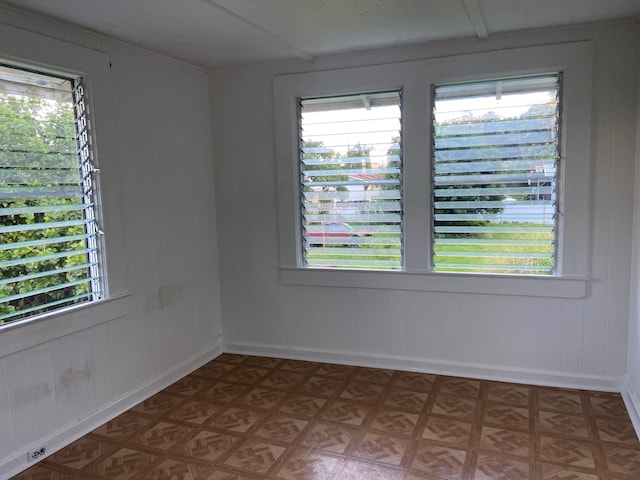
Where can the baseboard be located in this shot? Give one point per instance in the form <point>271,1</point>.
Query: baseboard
<point>632,402</point>
<point>458,369</point>
<point>15,464</point>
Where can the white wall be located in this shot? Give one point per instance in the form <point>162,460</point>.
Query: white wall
<point>631,391</point>
<point>578,342</point>
<point>58,378</point>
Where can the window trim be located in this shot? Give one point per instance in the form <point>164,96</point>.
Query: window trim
<point>415,79</point>
<point>25,49</point>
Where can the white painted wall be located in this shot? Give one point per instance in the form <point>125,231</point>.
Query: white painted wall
<point>63,376</point>
<point>631,391</point>
<point>579,342</point>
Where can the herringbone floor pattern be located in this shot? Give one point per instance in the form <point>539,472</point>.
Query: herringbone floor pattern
<point>254,418</point>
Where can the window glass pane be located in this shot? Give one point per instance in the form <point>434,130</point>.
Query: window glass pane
<point>495,164</point>
<point>48,246</point>
<point>350,172</point>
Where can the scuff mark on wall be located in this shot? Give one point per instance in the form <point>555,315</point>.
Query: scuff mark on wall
<point>71,379</point>
<point>41,390</point>
<point>165,297</point>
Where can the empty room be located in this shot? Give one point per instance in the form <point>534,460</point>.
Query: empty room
<point>320,240</point>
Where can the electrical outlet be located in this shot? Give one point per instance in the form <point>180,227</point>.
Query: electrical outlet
<point>36,454</point>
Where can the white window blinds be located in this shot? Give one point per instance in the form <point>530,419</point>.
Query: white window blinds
<point>48,233</point>
<point>350,173</point>
<point>495,176</point>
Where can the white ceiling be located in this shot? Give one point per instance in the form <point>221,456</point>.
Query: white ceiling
<point>216,33</point>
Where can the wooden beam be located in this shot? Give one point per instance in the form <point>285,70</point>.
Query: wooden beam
<point>476,18</point>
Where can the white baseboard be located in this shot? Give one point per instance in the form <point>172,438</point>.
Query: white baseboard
<point>457,369</point>
<point>15,464</point>
<point>632,402</point>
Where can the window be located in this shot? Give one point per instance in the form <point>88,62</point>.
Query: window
<point>49,238</point>
<point>495,164</point>
<point>520,220</point>
<point>350,174</point>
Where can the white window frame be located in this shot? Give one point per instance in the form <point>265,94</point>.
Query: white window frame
<point>416,79</point>
<point>22,48</point>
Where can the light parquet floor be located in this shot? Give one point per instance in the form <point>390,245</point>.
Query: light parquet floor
<point>255,418</point>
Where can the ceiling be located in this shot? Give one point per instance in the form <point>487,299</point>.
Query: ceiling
<point>218,33</point>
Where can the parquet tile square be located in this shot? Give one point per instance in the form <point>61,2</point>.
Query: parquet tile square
<point>560,401</point>
<point>207,445</point>
<point>282,380</point>
<point>162,435</point>
<point>623,460</point>
<point>553,472</point>
<point>567,452</point>
<point>408,400</point>
<point>491,467</point>
<point>171,469</point>
<point>213,370</point>
<point>322,386</point>
<point>303,405</point>
<point>373,375</point>
<point>415,381</point>
<point>264,362</point>
<point>619,431</point>
<point>362,392</point>
<point>330,438</point>
<point>219,474</point>
<point>299,366</point>
<point>460,387</point>
<point>337,371</point>
<point>122,426</point>
<point>506,416</point>
<point>343,411</point>
<point>124,464</point>
<point>158,404</point>
<point>242,417</point>
<point>439,461</point>
<point>222,392</point>
<point>395,422</point>
<point>358,470</point>
<point>245,375</point>
<point>281,428</point>
<point>461,408</point>
<point>505,441</point>
<point>564,424</point>
<point>42,472</point>
<point>236,419</point>
<point>254,456</point>
<point>382,449</point>
<point>80,453</point>
<point>308,464</point>
<point>508,393</point>
<point>261,398</point>
<point>449,431</point>
<point>608,405</point>
<point>195,411</point>
<point>189,385</point>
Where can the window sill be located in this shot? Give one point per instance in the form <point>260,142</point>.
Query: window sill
<point>24,334</point>
<point>530,286</point>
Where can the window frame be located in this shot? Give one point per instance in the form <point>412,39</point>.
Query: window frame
<point>301,167</point>
<point>556,176</point>
<point>32,51</point>
<point>415,79</point>
<point>87,172</point>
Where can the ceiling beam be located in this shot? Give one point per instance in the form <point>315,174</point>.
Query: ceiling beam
<point>476,18</point>
<point>294,50</point>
